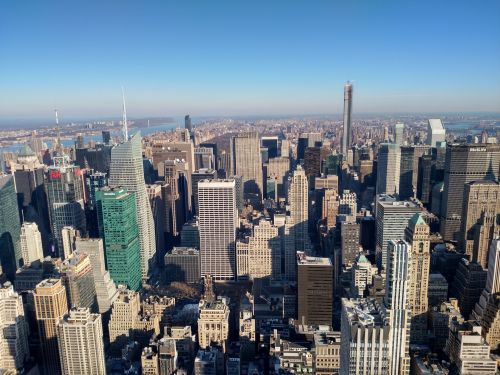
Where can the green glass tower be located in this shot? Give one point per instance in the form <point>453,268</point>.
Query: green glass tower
<point>118,227</point>
<point>10,228</point>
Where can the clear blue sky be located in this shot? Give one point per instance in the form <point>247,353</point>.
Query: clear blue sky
<point>213,57</point>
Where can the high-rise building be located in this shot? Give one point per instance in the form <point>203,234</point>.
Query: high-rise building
<point>299,209</point>
<point>13,331</point>
<point>247,163</point>
<point>417,235</point>
<point>126,171</point>
<point>31,243</point>
<point>314,290</point>
<point>105,288</point>
<point>349,237</point>
<point>278,168</point>
<point>205,362</point>
<point>68,236</point>
<point>464,163</point>
<point>196,177</point>
<point>204,158</point>
<point>66,199</point>
<point>347,131</point>
<point>388,167</point>
<point>469,282</point>
<point>426,164</point>
<point>190,234</point>
<point>365,343</point>
<point>440,319</point>
<point>481,207</point>
<point>94,181</point>
<point>50,307</point>
<point>263,252</point>
<point>348,206</point>
<point>399,130</point>
<point>158,209</point>
<point>435,132</point>
<point>183,264</point>
<point>271,143</point>
<point>362,272</point>
<point>396,304</point>
<point>213,323</point>
<point>10,229</point>
<point>392,218</point>
<point>187,123</point>
<point>81,346</point>
<point>406,172</point>
<point>118,227</point>
<point>218,220</point>
<point>437,291</point>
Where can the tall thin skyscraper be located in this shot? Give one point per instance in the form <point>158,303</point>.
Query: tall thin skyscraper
<point>10,229</point>
<point>464,163</point>
<point>299,209</point>
<point>346,138</point>
<point>81,346</point>
<point>247,163</point>
<point>126,170</point>
<point>218,219</point>
<point>395,301</point>
<point>388,168</point>
<point>399,129</point>
<point>417,235</point>
<point>50,306</point>
<point>31,243</point>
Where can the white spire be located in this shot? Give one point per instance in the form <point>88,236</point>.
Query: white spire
<point>57,117</point>
<point>125,127</point>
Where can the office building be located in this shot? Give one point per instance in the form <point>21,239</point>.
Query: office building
<point>347,131</point>
<point>247,163</point>
<point>388,169</point>
<point>204,158</point>
<point>50,307</point>
<point>271,143</point>
<point>426,165</point>
<point>399,132</point>
<point>213,323</point>
<point>262,250</point>
<point>314,290</point>
<point>118,227</point>
<point>66,200</point>
<point>205,362</point>
<point>177,175</point>
<point>417,235</point>
<point>196,177</point>
<point>437,291</point>
<point>157,205</point>
<point>81,346</point>
<point>215,153</point>
<point>299,209</point>
<point>349,237</point>
<point>105,288</point>
<point>406,172</point>
<point>362,272</point>
<point>435,132</point>
<point>396,304</point>
<point>481,208</point>
<point>464,163</point>
<point>278,168</point>
<point>348,207</point>
<point>69,235</point>
<point>126,171</point>
<point>440,320</point>
<point>469,282</point>
<point>190,234</point>
<point>13,331</point>
<point>365,345</point>
<point>31,243</point>
<point>392,217</point>
<point>218,220</point>
<point>183,264</point>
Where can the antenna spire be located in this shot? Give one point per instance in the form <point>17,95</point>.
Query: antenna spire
<point>125,127</point>
<point>57,116</point>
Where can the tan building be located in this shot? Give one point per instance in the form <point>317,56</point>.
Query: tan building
<point>417,235</point>
<point>81,346</point>
<point>50,307</point>
<point>348,204</point>
<point>327,353</point>
<point>31,243</point>
<point>481,207</point>
<point>263,253</point>
<point>299,209</point>
<point>213,323</point>
<point>330,181</point>
<point>278,168</point>
<point>330,207</point>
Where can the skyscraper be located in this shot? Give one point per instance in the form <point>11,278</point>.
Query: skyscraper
<point>10,229</point>
<point>13,331</point>
<point>65,195</point>
<point>395,301</point>
<point>247,163</point>
<point>218,219</point>
<point>50,307</point>
<point>314,290</point>
<point>464,163</point>
<point>81,346</point>
<point>31,243</point>
<point>417,235</point>
<point>346,138</point>
<point>299,209</point>
<point>406,172</point>
<point>435,132</point>
<point>399,129</point>
<point>118,227</point>
<point>126,170</point>
<point>388,167</point>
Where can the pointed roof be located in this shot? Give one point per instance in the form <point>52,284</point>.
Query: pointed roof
<point>362,258</point>
<point>26,151</point>
<point>417,219</point>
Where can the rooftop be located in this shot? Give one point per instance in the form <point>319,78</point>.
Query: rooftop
<point>365,312</point>
<point>303,259</point>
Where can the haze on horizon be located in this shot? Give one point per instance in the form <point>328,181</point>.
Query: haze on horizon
<point>247,58</point>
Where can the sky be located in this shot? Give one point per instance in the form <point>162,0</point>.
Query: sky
<point>240,57</point>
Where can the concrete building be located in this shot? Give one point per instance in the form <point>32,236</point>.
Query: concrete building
<point>50,307</point>
<point>417,234</point>
<point>365,338</point>
<point>330,207</point>
<point>314,290</point>
<point>327,352</point>
<point>190,234</point>
<point>464,163</point>
<point>31,243</point>
<point>278,169</point>
<point>437,291</point>
<point>362,273</point>
<point>347,131</point>
<point>218,220</point>
<point>13,331</point>
<point>213,323</point>
<point>435,132</point>
<point>183,264</point>
<point>388,166</point>
<point>469,282</point>
<point>299,209</point>
<point>440,320</point>
<point>348,207</point>
<point>399,130</point>
<point>349,237</point>
<point>196,177</point>
<point>126,170</point>
<point>81,346</point>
